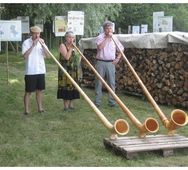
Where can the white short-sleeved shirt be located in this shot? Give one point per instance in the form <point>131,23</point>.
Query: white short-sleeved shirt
<point>35,62</point>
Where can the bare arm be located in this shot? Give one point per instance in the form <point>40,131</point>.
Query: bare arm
<point>27,53</point>
<point>65,53</point>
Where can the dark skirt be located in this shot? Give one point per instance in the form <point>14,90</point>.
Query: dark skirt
<point>68,94</point>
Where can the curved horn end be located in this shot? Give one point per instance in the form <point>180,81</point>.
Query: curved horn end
<point>178,119</point>
<point>121,127</point>
<point>150,125</point>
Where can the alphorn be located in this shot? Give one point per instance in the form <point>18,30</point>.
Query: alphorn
<point>120,127</point>
<point>178,117</point>
<point>150,125</point>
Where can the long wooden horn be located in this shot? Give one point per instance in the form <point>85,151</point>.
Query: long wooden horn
<point>120,127</point>
<point>178,117</point>
<point>150,125</point>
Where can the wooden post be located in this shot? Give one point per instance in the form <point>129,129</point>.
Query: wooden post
<point>7,63</point>
<point>61,40</point>
<point>119,30</point>
<point>46,36</point>
<point>50,43</point>
<point>75,40</point>
<point>12,46</point>
<point>17,48</point>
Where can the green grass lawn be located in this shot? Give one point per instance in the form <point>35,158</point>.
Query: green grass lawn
<point>58,138</point>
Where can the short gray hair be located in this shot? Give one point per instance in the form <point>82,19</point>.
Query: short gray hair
<point>69,33</point>
<point>107,24</point>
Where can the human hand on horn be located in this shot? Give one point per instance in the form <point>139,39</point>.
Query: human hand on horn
<point>109,35</point>
<point>35,42</point>
<point>45,48</point>
<point>41,40</point>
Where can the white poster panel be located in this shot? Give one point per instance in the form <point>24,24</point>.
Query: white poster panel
<point>129,29</point>
<point>166,24</point>
<point>53,26</point>
<point>60,24</point>
<point>156,16</point>
<point>40,23</point>
<point>76,22</point>
<point>144,28</point>
<point>10,30</point>
<point>113,27</point>
<point>135,29</point>
<point>25,24</point>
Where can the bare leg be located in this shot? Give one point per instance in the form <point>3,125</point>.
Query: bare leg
<point>66,104</point>
<point>26,102</point>
<point>71,105</point>
<point>39,98</point>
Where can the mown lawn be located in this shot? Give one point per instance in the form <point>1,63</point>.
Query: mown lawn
<point>58,138</point>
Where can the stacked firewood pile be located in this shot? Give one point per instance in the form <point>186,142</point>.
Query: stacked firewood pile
<point>163,71</point>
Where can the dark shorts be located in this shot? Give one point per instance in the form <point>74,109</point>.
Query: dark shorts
<point>34,82</point>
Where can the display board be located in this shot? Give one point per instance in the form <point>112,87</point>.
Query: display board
<point>76,22</point>
<point>25,24</point>
<point>40,23</point>
<point>135,29</point>
<point>144,28</point>
<point>156,16</point>
<point>10,30</point>
<point>60,25</point>
<point>166,24</point>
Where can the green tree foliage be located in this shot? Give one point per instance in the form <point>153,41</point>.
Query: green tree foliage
<point>95,14</point>
<point>137,14</point>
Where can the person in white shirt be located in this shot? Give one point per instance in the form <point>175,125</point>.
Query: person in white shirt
<point>34,53</point>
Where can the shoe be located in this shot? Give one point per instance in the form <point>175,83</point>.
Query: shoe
<point>26,113</point>
<point>41,111</point>
<point>97,105</point>
<point>112,105</point>
<point>66,109</point>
